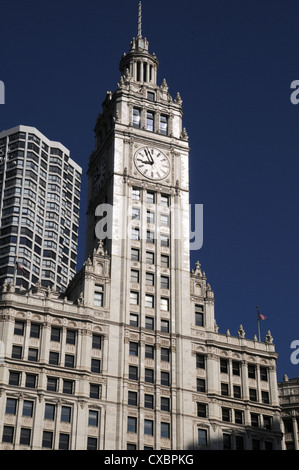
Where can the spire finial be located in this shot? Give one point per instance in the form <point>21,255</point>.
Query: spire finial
<point>139,20</point>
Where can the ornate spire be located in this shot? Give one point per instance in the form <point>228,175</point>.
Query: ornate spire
<point>139,21</point>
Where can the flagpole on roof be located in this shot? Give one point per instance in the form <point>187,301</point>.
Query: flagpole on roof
<point>259,317</point>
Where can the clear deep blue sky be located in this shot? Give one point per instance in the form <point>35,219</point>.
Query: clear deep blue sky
<point>233,62</point>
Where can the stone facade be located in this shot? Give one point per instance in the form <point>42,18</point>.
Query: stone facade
<point>130,357</point>
<point>289,401</point>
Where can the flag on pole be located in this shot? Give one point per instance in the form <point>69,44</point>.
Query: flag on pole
<point>260,316</point>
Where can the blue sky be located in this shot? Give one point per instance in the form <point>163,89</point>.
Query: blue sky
<point>233,63</point>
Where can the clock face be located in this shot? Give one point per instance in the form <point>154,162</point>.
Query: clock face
<point>152,163</point>
<point>99,175</point>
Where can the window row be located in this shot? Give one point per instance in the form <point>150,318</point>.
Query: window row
<point>150,121</point>
<point>149,351</point>
<point>151,217</point>
<point>236,368</point>
<point>54,358</point>
<point>150,257</point>
<point>150,197</point>
<point>149,323</point>
<point>150,236</point>
<point>149,401</point>
<point>232,442</point>
<point>56,334</point>
<point>54,384</point>
<point>149,376</point>
<point>150,279</point>
<point>8,437</point>
<point>148,429</point>
<point>235,391</point>
<point>149,300</point>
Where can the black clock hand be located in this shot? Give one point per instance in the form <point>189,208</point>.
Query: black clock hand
<point>150,158</point>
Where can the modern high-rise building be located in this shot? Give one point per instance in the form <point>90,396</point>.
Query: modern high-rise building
<point>130,356</point>
<point>39,210</point>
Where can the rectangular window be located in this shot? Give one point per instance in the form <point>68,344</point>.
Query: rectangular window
<point>136,117</point>
<point>55,334</point>
<point>134,298</point>
<point>149,376</point>
<point>227,445</point>
<point>164,326</point>
<point>47,439</point>
<point>150,236</point>
<point>254,420</point>
<point>150,121</point>
<point>49,411</point>
<point>200,385</point>
<point>149,401</point>
<point>63,441</point>
<point>165,378</point>
<point>149,323</point>
<point>149,279</point>
<point>34,330</point>
<point>150,197</point>
<point>92,443</point>
<point>267,422</point>
<point>236,368</point>
<point>265,397</point>
<point>163,125</point>
<point>165,430</point>
<point>201,410</point>
<point>132,398</point>
<point>25,436</point>
<point>28,408</point>
<point>134,254</point>
<point>150,257</point>
<point>251,371</point>
<point>149,351</point>
<point>200,361</point>
<point>135,213</point>
<point>134,276</point>
<point>164,240</point>
<point>135,234</point>
<point>164,282</point>
<point>202,438</point>
<point>165,404</point>
<point>225,414</point>
<point>149,301</point>
<point>252,394</point>
<point>148,427</point>
<point>224,389</point>
<point>239,443</point>
<point>133,373</point>
<point>164,261</point>
<point>132,424</point>
<point>99,296</point>
<point>95,366</point>
<point>68,387</point>
<point>52,384</point>
<point>93,418</point>
<point>8,434</point>
<point>66,412</point>
<point>164,304</point>
<point>136,194</point>
<point>133,319</point>
<point>11,406</point>
<point>32,354</point>
<point>94,391</point>
<point>19,328</point>
<point>16,352</point>
<point>96,341</point>
<point>237,391</point>
<point>54,358</point>
<point>224,366</point>
<point>264,374</point>
<point>238,417</point>
<point>165,354</point>
<point>133,349</point>
<point>199,315</point>
<point>164,219</point>
<point>69,360</point>
<point>150,217</point>
<point>31,381</point>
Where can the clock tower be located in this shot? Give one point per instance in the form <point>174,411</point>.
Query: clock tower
<point>139,193</point>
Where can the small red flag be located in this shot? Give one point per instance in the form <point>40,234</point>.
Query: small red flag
<point>260,316</point>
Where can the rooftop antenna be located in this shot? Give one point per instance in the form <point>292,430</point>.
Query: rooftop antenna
<point>139,21</point>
